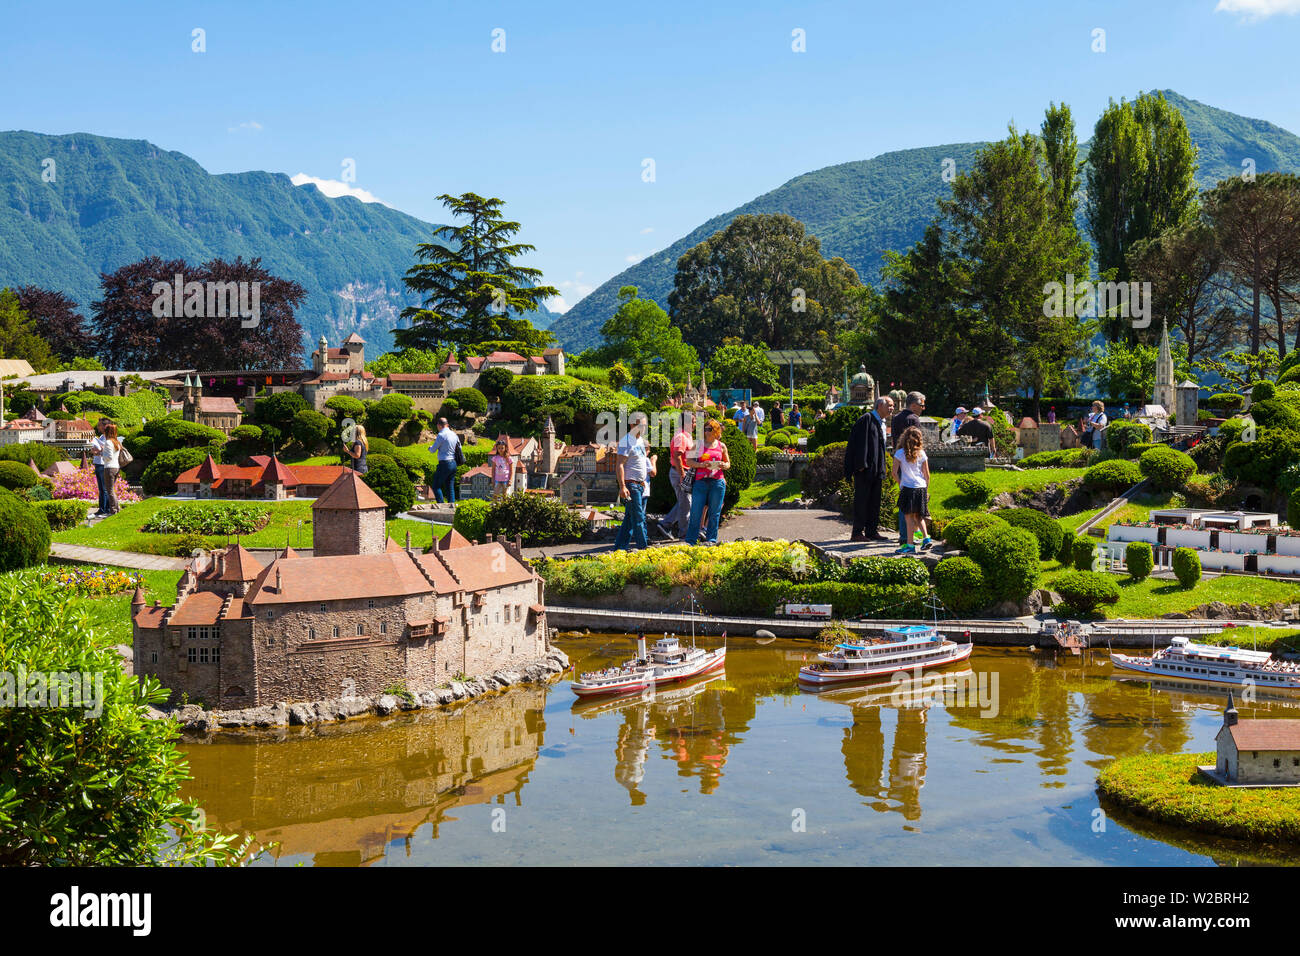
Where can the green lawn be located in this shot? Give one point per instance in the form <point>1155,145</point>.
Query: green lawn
<point>1156,596</point>
<point>290,520</point>
<point>1137,510</point>
<point>111,615</point>
<point>761,492</point>
<point>947,502</point>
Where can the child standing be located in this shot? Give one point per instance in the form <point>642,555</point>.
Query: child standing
<point>912,473</point>
<point>503,470</point>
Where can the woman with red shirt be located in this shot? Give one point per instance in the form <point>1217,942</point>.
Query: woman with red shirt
<point>712,461</point>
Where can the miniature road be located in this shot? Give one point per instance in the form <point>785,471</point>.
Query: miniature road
<point>119,559</point>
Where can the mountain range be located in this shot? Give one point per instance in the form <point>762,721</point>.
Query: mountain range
<point>861,209</point>
<point>78,204</point>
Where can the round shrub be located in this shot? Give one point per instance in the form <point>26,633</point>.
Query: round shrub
<point>958,531</point>
<point>1226,401</point>
<point>160,477</point>
<point>389,480</point>
<point>16,476</point>
<point>1120,435</point>
<point>1262,461</point>
<point>1114,475</point>
<point>470,400</point>
<point>1275,414</point>
<point>1138,558</point>
<point>959,584</point>
<point>24,533</point>
<point>64,514</point>
<point>1166,468</point>
<point>1187,566</point>
<point>1042,527</point>
<point>764,454</point>
<point>44,455</point>
<point>1083,591</point>
<point>1065,554</point>
<point>778,440</point>
<point>471,516</point>
<point>744,465</point>
<point>824,471</point>
<point>1009,559</point>
<point>974,489</point>
<point>538,520</point>
<point>309,429</point>
<point>1230,431</point>
<point>1290,375</point>
<point>1262,391</point>
<point>1084,551</point>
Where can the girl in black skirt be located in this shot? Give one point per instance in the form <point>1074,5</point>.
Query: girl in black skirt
<point>912,473</point>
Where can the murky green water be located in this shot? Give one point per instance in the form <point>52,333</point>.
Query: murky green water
<point>999,768</point>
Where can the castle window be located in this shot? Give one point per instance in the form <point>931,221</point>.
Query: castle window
<point>1277,764</point>
<point>270,615</point>
<point>311,633</point>
<point>383,629</point>
<point>336,631</point>
<point>203,655</point>
<point>270,640</point>
<point>361,630</point>
<point>153,659</point>
<point>322,607</point>
<point>371,604</point>
<point>192,654</point>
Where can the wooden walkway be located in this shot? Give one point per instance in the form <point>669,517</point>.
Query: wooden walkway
<point>78,554</point>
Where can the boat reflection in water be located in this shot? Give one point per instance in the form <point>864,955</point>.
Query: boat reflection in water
<point>678,719</point>
<point>342,793</point>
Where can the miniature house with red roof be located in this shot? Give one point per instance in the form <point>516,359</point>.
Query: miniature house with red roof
<point>261,476</point>
<point>359,615</point>
<point>1256,752</point>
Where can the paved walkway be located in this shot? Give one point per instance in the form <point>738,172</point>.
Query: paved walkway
<point>119,559</point>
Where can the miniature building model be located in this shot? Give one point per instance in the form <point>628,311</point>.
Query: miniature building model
<point>215,412</point>
<point>261,476</point>
<point>341,371</point>
<point>359,616</point>
<point>1164,391</point>
<point>1257,751</point>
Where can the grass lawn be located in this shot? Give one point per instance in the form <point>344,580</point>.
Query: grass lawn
<point>1167,788</point>
<point>947,502</point>
<point>1137,510</point>
<point>1275,639</point>
<point>1156,596</point>
<point>122,531</point>
<point>111,614</point>
<point>761,492</point>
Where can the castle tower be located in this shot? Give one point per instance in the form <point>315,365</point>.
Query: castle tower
<point>1230,712</point>
<point>550,454</point>
<point>1164,394</point>
<point>349,519</point>
<point>355,347</point>
<point>322,353</point>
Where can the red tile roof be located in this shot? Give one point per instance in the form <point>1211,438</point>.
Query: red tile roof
<point>218,405</point>
<point>276,472</point>
<point>506,357</point>
<point>318,474</point>
<point>343,577</point>
<point>198,608</point>
<point>414,377</point>
<point>349,493</point>
<point>1261,734</point>
<point>235,563</point>
<point>208,471</point>
<point>484,566</point>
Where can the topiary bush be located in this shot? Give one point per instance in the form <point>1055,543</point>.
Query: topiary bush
<point>1139,560</point>
<point>1065,458</point>
<point>470,400</point>
<point>1262,391</point>
<point>1121,434</point>
<point>1187,566</point>
<point>835,427</point>
<point>471,518</point>
<point>974,489</point>
<point>1009,559</point>
<point>744,465</point>
<point>44,455</point>
<point>1065,554</point>
<point>160,477</point>
<point>24,534</point>
<point>1112,476</point>
<point>1082,592</point>
<point>1166,468</point>
<point>1084,552</point>
<point>959,584</point>
<point>1047,531</point>
<point>16,476</point>
<point>824,471</point>
<point>1262,461</point>
<point>1272,413</point>
<point>1229,402</point>
<point>65,514</point>
<point>957,532</point>
<point>538,520</point>
<point>389,480</point>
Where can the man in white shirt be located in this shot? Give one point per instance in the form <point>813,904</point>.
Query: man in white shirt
<point>447,447</point>
<point>97,444</point>
<point>635,468</point>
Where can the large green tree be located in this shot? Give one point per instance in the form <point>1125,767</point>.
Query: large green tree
<point>18,338</point>
<point>762,278</point>
<point>472,288</point>
<point>1182,264</point>
<point>645,340</point>
<point>1140,181</point>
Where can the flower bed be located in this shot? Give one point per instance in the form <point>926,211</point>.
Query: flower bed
<point>1133,532</point>
<point>81,484</point>
<point>89,582</point>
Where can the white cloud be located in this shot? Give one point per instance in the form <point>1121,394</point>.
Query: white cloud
<point>334,189</point>
<point>633,258</point>
<point>1258,9</point>
<point>647,230</point>
<point>570,290</point>
<point>253,125</point>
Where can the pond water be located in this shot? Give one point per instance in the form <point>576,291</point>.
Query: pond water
<point>990,763</point>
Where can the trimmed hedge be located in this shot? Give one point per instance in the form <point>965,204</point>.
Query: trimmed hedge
<point>44,455</point>
<point>1187,566</point>
<point>389,480</point>
<point>470,518</point>
<point>1166,468</point>
<point>959,583</point>
<point>1272,413</point>
<point>63,514</point>
<point>160,477</point>
<point>24,533</point>
<point>1009,559</point>
<point>958,532</point>
<point>1139,560</point>
<point>1262,461</point>
<point>1083,591</point>
<point>538,520</point>
<point>1084,552</point>
<point>1114,475</point>
<point>1227,401</point>
<point>16,476</point>
<point>974,489</point>
<point>1262,391</point>
<point>1065,458</point>
<point>835,427</point>
<point>1045,529</point>
<point>1120,435</point>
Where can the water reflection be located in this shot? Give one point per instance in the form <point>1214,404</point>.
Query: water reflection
<point>996,764</point>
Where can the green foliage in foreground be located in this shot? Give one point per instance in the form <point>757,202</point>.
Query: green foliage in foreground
<point>89,786</point>
<point>208,519</point>
<point>1166,788</point>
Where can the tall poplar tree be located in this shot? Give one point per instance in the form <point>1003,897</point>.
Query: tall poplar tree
<point>471,286</point>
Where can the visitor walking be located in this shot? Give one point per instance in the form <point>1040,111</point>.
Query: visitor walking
<point>979,431</point>
<point>750,425</point>
<point>909,417</point>
<point>864,465</point>
<point>1051,415</point>
<point>357,450</point>
<point>710,485</point>
<point>635,468</point>
<point>97,443</point>
<point>911,470</point>
<point>1095,425</point>
<point>503,470</point>
<point>739,414</point>
<point>678,449</point>
<point>796,417</point>
<point>778,416</point>
<point>447,449</point>
<point>110,454</point>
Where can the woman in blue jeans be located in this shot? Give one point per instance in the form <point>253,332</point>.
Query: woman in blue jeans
<point>710,484</point>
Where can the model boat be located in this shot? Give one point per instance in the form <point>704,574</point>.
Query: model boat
<point>911,647</point>
<point>1206,663</point>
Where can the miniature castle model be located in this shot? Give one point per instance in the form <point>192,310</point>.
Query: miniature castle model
<point>359,616</point>
<point>578,474</point>
<point>219,413</point>
<point>341,371</point>
<point>1164,392</point>
<point>1257,752</point>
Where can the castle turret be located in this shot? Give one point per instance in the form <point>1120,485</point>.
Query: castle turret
<point>348,518</point>
<point>550,453</point>
<point>1230,713</point>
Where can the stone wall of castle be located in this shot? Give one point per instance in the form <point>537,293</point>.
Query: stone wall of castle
<point>338,532</point>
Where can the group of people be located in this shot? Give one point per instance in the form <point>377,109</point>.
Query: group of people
<point>697,473</point>
<point>109,457</point>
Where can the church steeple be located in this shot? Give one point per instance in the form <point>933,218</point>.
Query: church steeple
<point>1164,393</point>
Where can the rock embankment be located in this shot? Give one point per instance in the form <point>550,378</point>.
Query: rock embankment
<point>194,719</point>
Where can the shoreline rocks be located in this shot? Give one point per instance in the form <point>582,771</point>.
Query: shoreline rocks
<point>194,720</point>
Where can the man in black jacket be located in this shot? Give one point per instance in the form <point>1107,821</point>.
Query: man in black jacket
<point>865,461</point>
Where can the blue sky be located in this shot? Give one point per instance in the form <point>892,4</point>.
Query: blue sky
<point>559,124</point>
